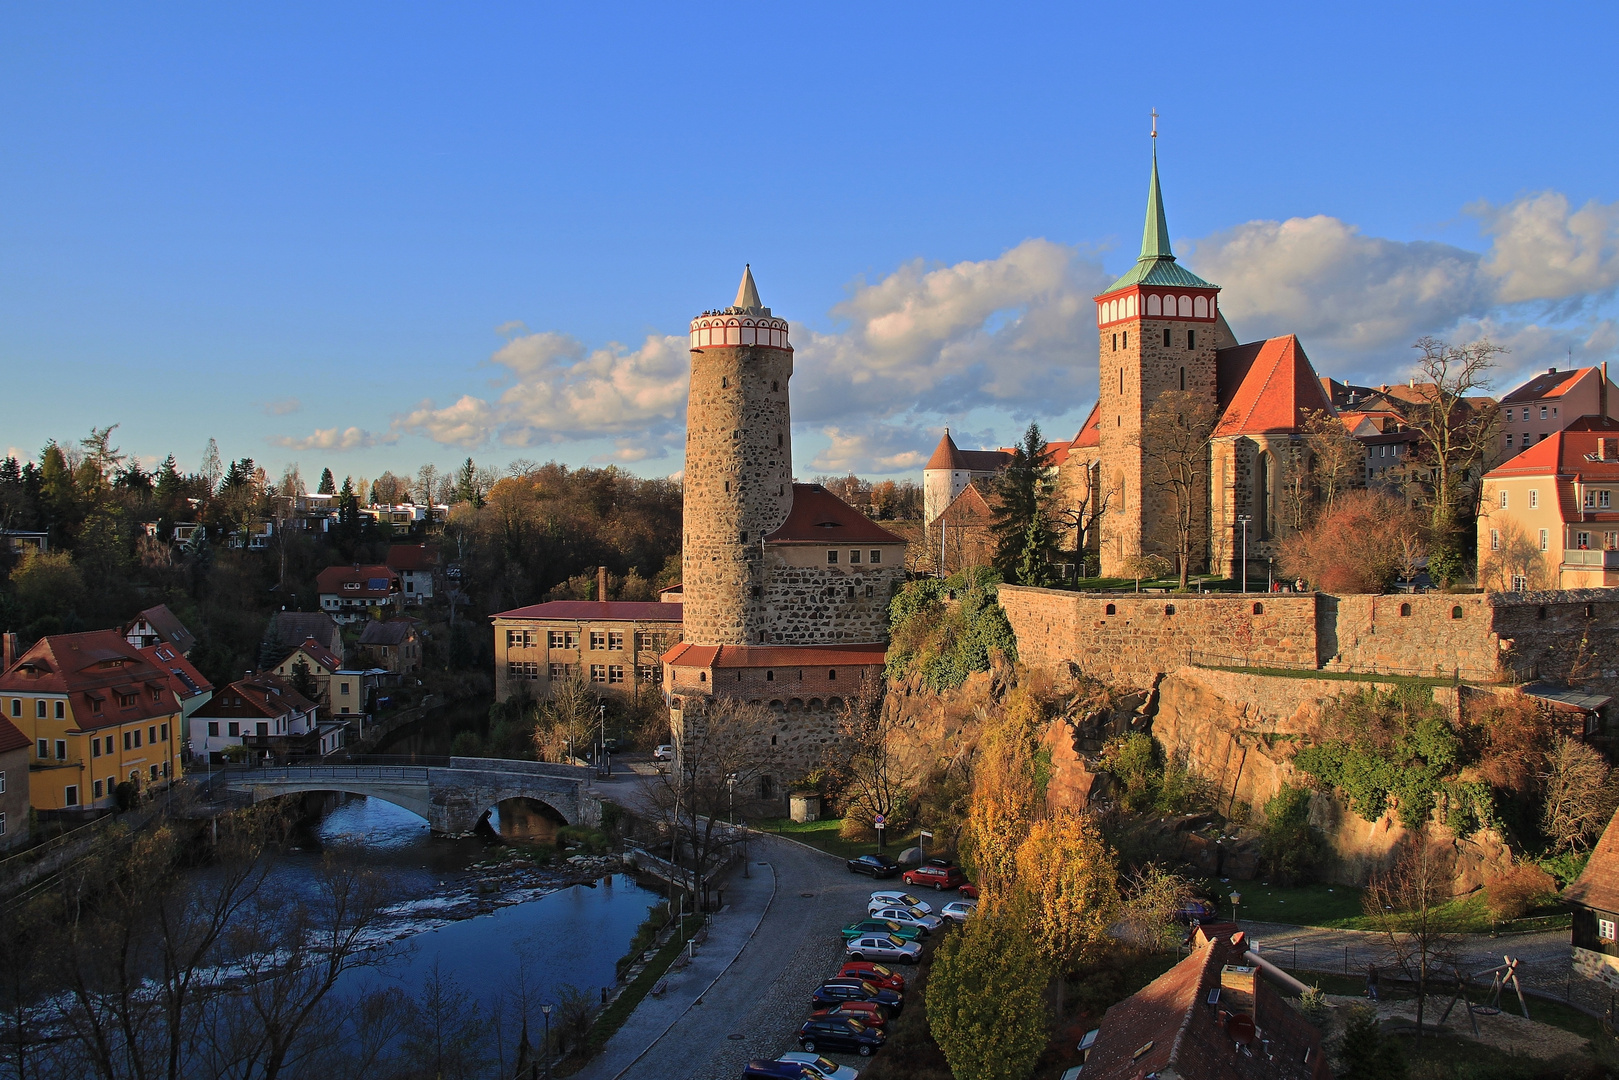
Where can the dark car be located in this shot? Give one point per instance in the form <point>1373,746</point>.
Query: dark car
<point>774,1070</point>
<point>820,1035</point>
<point>833,991</point>
<point>1194,911</point>
<point>878,866</point>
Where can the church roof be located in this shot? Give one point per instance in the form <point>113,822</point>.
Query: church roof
<point>1267,386</point>
<point>1090,432</point>
<point>948,456</point>
<point>747,293</point>
<point>1156,265</point>
<point>820,517</point>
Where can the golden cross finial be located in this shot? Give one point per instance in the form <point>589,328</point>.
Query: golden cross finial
<point>1155,123</point>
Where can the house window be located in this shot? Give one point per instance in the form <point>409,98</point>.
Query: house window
<point>1543,412</point>
<point>832,558</point>
<point>1606,931</point>
<point>109,745</point>
<point>876,558</point>
<point>832,674</point>
<point>598,672</point>
<point>1519,583</point>
<point>1545,541</point>
<point>555,639</point>
<point>651,673</point>
<point>1503,500</point>
<point>42,747</point>
<point>1582,541</point>
<point>871,590</point>
<point>525,669</point>
<point>1603,503</point>
<point>1534,498</point>
<point>615,673</point>
<point>71,795</point>
<point>233,729</point>
<point>213,729</point>
<point>1495,539</point>
<point>16,706</point>
<point>1509,440</point>
<point>97,789</point>
<point>560,671</point>
<point>854,558</point>
<point>598,640</point>
<point>95,748</point>
<point>615,640</point>
<point>2,824</point>
<point>39,708</point>
<point>342,688</point>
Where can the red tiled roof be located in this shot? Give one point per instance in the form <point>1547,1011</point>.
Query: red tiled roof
<point>1598,884</point>
<point>1568,452</point>
<point>10,738</point>
<point>968,508</point>
<point>317,652</point>
<point>263,694</point>
<point>88,668</point>
<point>1550,384</point>
<point>820,517</point>
<point>597,610</point>
<point>184,679</point>
<point>685,654</point>
<point>1090,432</point>
<point>374,581</point>
<point>412,557</point>
<point>1277,385</point>
<point>166,626</point>
<point>1058,452</point>
<point>395,632</point>
<point>945,455</point>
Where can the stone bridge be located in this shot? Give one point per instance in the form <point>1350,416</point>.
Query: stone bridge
<point>453,794</point>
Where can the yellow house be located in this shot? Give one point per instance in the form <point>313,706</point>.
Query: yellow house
<point>98,712</point>
<point>617,645</point>
<point>1549,518</point>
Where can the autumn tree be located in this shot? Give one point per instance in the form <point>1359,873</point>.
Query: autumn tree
<point>1580,794</point>
<point>1409,904</point>
<point>1455,429</point>
<point>1151,900</point>
<point>878,778</point>
<point>1174,442</point>
<point>984,995</point>
<point>1006,792</point>
<point>1355,548</point>
<point>1021,525</point>
<point>1071,878</point>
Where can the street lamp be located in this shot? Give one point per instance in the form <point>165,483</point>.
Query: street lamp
<point>603,766</point>
<point>1236,898</point>
<point>545,1010</point>
<point>1245,519</point>
<point>730,791</point>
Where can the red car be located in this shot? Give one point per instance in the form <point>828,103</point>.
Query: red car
<point>937,877</point>
<point>867,1012</point>
<point>968,891</point>
<point>883,978</point>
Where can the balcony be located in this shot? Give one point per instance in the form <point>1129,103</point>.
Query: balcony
<point>1591,560</point>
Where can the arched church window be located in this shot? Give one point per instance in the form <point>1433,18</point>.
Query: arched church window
<point>1186,307</point>
<point>1263,493</point>
<point>1155,306</point>
<point>1183,378</point>
<point>1200,307</point>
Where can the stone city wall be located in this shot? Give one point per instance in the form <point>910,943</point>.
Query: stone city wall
<point>1434,634</point>
<point>813,605</point>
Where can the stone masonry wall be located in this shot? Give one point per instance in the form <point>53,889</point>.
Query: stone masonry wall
<point>1434,634</point>
<point>1561,635</point>
<point>1146,634</point>
<point>813,605</point>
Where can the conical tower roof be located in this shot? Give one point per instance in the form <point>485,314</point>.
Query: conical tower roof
<point>747,293</point>
<point>945,455</point>
<point>1157,265</point>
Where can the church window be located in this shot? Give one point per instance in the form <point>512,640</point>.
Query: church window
<point>1112,610</point>
<point>774,386</point>
<point>1121,381</point>
<point>1115,343</point>
<point>1183,378</point>
<point>725,383</point>
<point>1200,307</point>
<point>1191,339</point>
<point>727,485</point>
<point>779,439</point>
<point>1166,337</point>
<point>1155,306</point>
<point>1126,336</point>
<point>1185,307</point>
<point>1264,502</point>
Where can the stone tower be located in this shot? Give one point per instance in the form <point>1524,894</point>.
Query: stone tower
<point>1157,329</point>
<point>739,454</point>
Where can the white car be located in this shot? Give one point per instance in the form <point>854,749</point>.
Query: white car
<point>883,947</point>
<point>958,910</point>
<point>908,916</point>
<point>893,898</point>
<point>664,753</point>
<point>821,1066</point>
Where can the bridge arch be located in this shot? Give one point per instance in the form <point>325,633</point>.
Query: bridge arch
<point>405,801</point>
<point>549,799</point>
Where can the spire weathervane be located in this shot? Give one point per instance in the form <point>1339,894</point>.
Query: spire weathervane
<point>1155,123</point>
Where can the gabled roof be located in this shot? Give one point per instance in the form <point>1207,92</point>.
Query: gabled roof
<point>11,738</point>
<point>287,628</point>
<point>1550,384</point>
<point>317,652</point>
<point>395,632</point>
<point>262,694</point>
<point>184,679</point>
<point>402,557</point>
<point>373,581</point>
<point>969,508</point>
<point>597,611</point>
<point>1574,451</point>
<point>1090,432</point>
<point>685,654</point>
<point>166,626</point>
<point>1274,386</point>
<point>93,670</point>
<point>820,517</point>
<point>1598,884</point>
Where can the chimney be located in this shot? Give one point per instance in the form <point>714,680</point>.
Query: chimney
<point>601,583</point>
<point>8,650</point>
<point>1551,371</point>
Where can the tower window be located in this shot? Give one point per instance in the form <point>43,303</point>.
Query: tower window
<point>1183,378</point>
<point>728,483</point>
<point>744,536</point>
<point>1115,343</point>
<point>1191,339</point>
<point>1126,339</point>
<point>1121,381</point>
<point>774,386</point>
<point>725,383</point>
<point>779,438</point>
<point>1166,338</point>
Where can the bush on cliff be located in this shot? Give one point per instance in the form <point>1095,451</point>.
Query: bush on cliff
<point>1291,848</point>
<point>946,630</point>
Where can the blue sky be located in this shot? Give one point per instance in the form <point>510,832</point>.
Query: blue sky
<point>368,237</point>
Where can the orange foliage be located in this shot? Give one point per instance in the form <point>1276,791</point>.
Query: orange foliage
<point>1509,737</point>
<point>1354,548</point>
<point>1518,889</point>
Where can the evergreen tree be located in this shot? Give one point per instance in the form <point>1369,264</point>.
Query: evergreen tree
<point>348,512</point>
<point>58,494</point>
<point>466,485</point>
<point>1366,1054</point>
<point>1023,536</point>
<point>328,485</point>
<point>985,999</point>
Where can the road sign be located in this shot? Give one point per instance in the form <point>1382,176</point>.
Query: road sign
<point>880,821</point>
<point>926,835</point>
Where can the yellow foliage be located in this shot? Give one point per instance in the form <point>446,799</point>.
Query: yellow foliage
<point>1070,874</point>
<point>1002,805</point>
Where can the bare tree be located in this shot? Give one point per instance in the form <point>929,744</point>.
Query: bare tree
<point>1409,904</point>
<point>1580,794</point>
<point>1337,459</point>
<point>567,722</point>
<point>1412,554</point>
<point>878,779</point>
<point>1153,898</point>
<point>1082,506</point>
<point>1512,562</point>
<point>1455,431</point>
<point>1174,444</point>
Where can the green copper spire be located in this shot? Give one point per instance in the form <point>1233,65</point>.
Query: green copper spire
<point>1155,237</point>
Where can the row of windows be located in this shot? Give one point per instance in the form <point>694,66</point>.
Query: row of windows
<point>1582,540</point>
<point>873,557</point>
<point>233,728</point>
<point>41,705</point>
<point>1185,307</point>
<point>600,640</point>
<point>770,676</point>
<point>1526,415</point>
<point>99,745</point>
<point>602,673</point>
<point>848,590</point>
<point>106,787</point>
<point>1124,340</point>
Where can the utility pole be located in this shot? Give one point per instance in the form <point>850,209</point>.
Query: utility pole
<point>1245,519</point>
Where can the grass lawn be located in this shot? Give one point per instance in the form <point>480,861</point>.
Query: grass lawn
<point>824,835</point>
<point>1447,1057</point>
<point>1338,907</point>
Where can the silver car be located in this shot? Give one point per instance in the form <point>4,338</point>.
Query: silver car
<point>821,1065</point>
<point>958,910</point>
<point>910,917</point>
<point>883,898</point>
<point>883,947</point>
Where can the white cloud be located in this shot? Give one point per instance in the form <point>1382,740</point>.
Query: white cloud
<point>336,439</point>
<point>282,407</point>
<point>881,449</point>
<point>1541,250</point>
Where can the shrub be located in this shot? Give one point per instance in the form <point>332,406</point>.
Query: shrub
<point>945,643</point>
<point>466,744</point>
<point>1518,889</point>
<point>1132,760</point>
<point>1292,850</point>
<point>1366,1055</point>
<point>1355,548</point>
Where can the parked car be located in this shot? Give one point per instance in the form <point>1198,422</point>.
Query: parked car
<point>878,866</point>
<point>664,753</point>
<point>883,947</point>
<point>968,890</point>
<point>881,926</point>
<point>845,1034</point>
<point>764,1069</point>
<point>1194,911</point>
<point>881,977</point>
<point>958,910</point>
<point>833,991</point>
<point>825,1066</point>
<point>867,1012</point>
<point>910,917</point>
<point>938,877</point>
<point>895,898</point>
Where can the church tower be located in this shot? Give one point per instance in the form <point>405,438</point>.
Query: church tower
<point>738,479</point>
<point>1157,328</point>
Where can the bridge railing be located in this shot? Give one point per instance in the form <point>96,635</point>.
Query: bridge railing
<point>534,768</point>
<point>292,774</point>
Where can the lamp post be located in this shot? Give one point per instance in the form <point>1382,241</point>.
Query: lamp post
<point>1245,519</point>
<point>1270,574</point>
<point>1236,898</point>
<point>730,791</point>
<point>545,1010</point>
<point>604,767</point>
